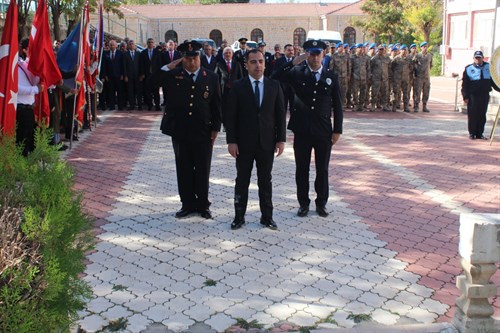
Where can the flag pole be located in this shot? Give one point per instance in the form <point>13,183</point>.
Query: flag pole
<point>73,117</point>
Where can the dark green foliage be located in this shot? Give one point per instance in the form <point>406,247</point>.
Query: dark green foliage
<point>43,296</point>
<point>436,64</point>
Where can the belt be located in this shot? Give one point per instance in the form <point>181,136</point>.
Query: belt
<point>24,106</point>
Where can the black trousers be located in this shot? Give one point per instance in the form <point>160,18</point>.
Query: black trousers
<point>134,92</point>
<point>244,165</point>
<point>115,93</point>
<point>192,161</point>
<point>25,130</point>
<point>476,113</point>
<point>303,146</point>
<point>151,93</point>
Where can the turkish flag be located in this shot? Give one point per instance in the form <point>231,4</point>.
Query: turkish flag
<point>8,67</point>
<point>42,61</point>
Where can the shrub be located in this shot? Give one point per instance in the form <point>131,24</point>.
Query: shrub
<point>45,236</point>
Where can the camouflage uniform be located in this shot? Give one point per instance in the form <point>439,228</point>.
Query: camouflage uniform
<point>423,64</point>
<point>340,66</point>
<point>406,75</point>
<point>398,65</point>
<point>360,73</point>
<point>379,65</point>
<point>411,82</point>
<point>370,55</point>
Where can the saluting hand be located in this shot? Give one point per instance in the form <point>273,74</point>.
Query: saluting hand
<point>174,63</point>
<point>300,58</point>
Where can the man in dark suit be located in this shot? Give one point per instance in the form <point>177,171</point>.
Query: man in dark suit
<point>132,67</point>
<point>268,59</point>
<point>239,55</point>
<point>167,55</point>
<point>208,60</point>
<point>150,63</point>
<point>114,76</point>
<point>317,94</point>
<point>256,129</point>
<point>229,70</point>
<point>280,62</point>
<point>193,119</point>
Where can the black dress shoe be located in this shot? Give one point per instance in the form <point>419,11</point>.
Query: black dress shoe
<point>269,223</point>
<point>205,213</point>
<point>237,223</point>
<point>303,210</point>
<point>183,212</point>
<point>481,137</point>
<point>321,211</point>
<point>472,137</point>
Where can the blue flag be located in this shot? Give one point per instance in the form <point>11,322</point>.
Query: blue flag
<point>67,57</point>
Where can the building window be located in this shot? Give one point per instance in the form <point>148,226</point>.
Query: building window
<point>349,35</point>
<point>216,35</point>
<point>257,35</point>
<point>299,37</point>
<point>171,35</point>
<point>483,32</point>
<point>459,31</point>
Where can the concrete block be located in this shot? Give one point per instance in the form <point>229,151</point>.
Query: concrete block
<point>480,238</point>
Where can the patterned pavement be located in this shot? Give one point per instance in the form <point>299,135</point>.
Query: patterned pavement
<point>388,249</point>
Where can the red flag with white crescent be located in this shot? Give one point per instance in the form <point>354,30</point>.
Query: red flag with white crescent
<point>8,67</point>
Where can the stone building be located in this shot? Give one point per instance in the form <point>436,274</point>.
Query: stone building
<point>273,23</point>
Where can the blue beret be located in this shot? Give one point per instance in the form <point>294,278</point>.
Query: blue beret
<point>359,45</point>
<point>339,44</point>
<point>397,44</point>
<point>423,44</point>
<point>394,48</point>
<point>390,46</point>
<point>352,47</point>
<point>366,44</point>
<point>412,46</point>
<point>373,45</point>
<point>403,47</point>
<point>346,45</point>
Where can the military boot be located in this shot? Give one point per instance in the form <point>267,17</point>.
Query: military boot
<point>415,109</point>
<point>406,108</point>
<point>425,109</point>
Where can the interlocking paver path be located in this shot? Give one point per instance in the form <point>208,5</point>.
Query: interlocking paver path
<point>389,247</point>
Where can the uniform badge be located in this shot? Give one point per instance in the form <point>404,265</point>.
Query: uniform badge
<point>204,74</point>
<point>179,77</point>
<point>206,94</point>
<point>315,43</point>
<point>328,81</point>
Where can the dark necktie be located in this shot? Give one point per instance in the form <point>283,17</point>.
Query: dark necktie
<point>192,77</point>
<point>257,93</point>
<point>229,67</point>
<point>315,76</point>
<point>113,55</point>
<point>132,54</point>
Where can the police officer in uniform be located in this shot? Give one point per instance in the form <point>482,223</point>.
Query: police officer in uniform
<point>317,96</point>
<point>268,58</point>
<point>193,119</point>
<point>476,87</point>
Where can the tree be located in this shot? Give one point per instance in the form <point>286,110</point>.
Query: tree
<point>425,16</point>
<point>23,8</point>
<point>383,20</point>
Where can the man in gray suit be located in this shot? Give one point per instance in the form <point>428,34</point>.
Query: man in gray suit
<point>256,129</point>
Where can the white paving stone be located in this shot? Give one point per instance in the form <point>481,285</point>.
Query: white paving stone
<point>304,271</point>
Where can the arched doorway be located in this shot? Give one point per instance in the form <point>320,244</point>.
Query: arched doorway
<point>299,37</point>
<point>257,35</point>
<point>349,35</point>
<point>171,35</point>
<point>216,35</point>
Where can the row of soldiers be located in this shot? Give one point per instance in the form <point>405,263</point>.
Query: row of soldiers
<point>374,76</point>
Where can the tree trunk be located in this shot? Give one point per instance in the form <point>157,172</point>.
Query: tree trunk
<point>56,17</point>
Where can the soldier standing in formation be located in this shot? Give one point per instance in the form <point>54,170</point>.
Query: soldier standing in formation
<point>360,73</point>
<point>423,65</point>
<point>379,65</point>
<point>341,66</point>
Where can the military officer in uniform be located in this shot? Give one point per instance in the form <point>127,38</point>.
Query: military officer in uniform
<point>193,119</point>
<point>379,65</point>
<point>360,74</point>
<point>423,65</point>
<point>317,98</point>
<point>476,86</point>
<point>239,55</point>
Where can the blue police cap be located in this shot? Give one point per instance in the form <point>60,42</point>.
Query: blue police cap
<point>314,46</point>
